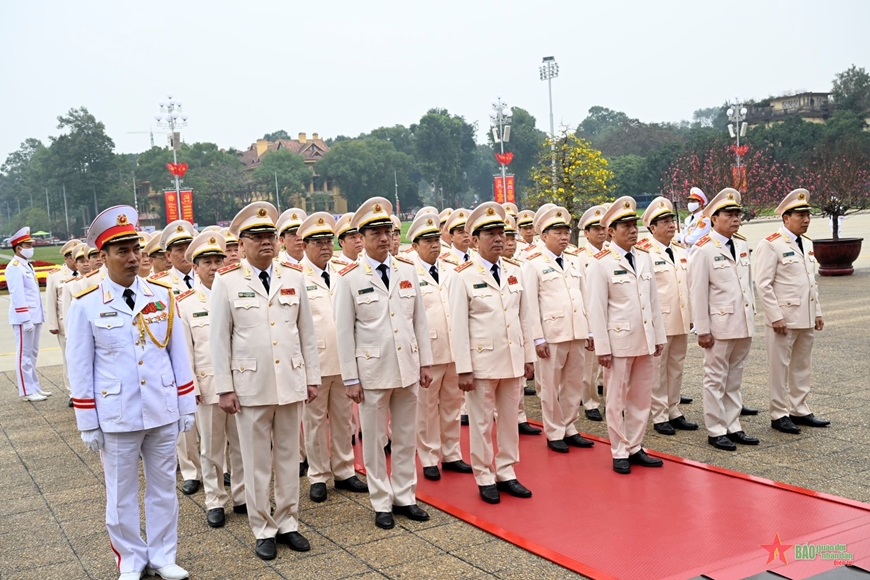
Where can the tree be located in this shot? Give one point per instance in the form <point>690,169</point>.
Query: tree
<point>600,119</point>
<point>445,146</point>
<point>582,177</point>
<point>292,174</point>
<point>851,90</point>
<point>628,175</point>
<point>839,180</point>
<point>480,176</point>
<point>711,117</point>
<point>276,135</point>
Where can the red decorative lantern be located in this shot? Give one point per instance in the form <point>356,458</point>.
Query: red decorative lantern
<point>741,150</point>
<point>504,158</point>
<point>177,169</point>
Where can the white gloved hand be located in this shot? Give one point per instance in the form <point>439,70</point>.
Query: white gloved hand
<point>28,326</point>
<point>185,423</point>
<point>93,439</point>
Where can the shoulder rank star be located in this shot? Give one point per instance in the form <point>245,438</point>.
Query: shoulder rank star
<point>772,236</point>
<point>348,269</point>
<point>601,254</point>
<point>464,266</point>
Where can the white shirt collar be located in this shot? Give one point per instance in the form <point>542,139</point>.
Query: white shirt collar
<point>719,236</point>
<point>374,263</point>
<point>314,267</point>
<point>789,233</point>
<point>549,253</point>
<point>658,243</point>
<point>489,265</point>
<point>459,253</point>
<point>257,270</point>
<point>346,258</point>
<point>618,249</point>
<point>119,290</point>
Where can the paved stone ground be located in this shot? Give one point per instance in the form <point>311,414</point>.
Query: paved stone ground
<point>52,521</point>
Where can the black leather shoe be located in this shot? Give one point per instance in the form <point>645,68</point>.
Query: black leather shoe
<point>227,480</point>
<point>785,425</point>
<point>594,415</point>
<point>388,448</point>
<point>242,508</point>
<point>722,443</point>
<point>621,466</point>
<point>190,487</point>
<point>513,487</point>
<point>384,520</point>
<point>644,460</point>
<point>742,438</point>
<point>458,466</point>
<point>529,391</point>
<point>489,493</point>
<point>412,512</point>
<point>664,428</point>
<point>576,440</point>
<point>294,540</point>
<point>70,404</point>
<point>216,517</point>
<point>432,473</point>
<point>317,493</point>
<point>682,424</point>
<point>526,429</point>
<point>809,421</point>
<point>685,400</point>
<point>463,420</point>
<point>303,468</point>
<point>748,411</point>
<point>353,484</point>
<point>558,446</point>
<point>266,549</point>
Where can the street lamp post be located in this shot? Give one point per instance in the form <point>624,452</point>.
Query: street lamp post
<point>737,128</point>
<point>172,117</point>
<point>549,70</point>
<point>500,118</point>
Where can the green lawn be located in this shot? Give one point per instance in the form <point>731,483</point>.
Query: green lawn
<point>42,253</point>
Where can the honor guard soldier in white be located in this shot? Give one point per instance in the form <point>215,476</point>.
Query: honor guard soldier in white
<point>697,225</point>
<point>25,315</point>
<point>133,393</point>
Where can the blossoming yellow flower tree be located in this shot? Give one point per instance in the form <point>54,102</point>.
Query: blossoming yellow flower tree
<point>582,178</point>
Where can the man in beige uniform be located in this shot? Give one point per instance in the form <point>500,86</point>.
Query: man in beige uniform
<point>723,305</point>
<point>493,350</point>
<point>460,250</point>
<point>627,327</point>
<point>596,234</point>
<point>671,267</point>
<point>438,407</point>
<point>446,238</point>
<point>556,289</point>
<point>264,349</point>
<point>206,252</point>
<point>54,301</point>
<point>159,262</point>
<point>785,276</point>
<point>349,240</point>
<point>384,349</point>
<point>327,419</point>
<point>288,225</point>
<point>233,254</point>
<point>526,229</point>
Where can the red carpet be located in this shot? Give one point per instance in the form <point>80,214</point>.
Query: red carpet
<point>679,521</point>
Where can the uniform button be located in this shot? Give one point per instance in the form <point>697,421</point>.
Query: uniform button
<point>104,393</point>
<point>277,362</point>
<point>137,343</point>
<point>274,342</point>
<point>108,326</point>
<point>142,381</point>
<point>682,305</point>
<point>392,313</point>
<point>202,374</point>
<point>508,325</point>
<point>241,368</point>
<point>510,342</point>
<point>505,309</point>
<point>270,305</point>
<point>643,307</point>
<point>746,305</point>
<point>396,330</point>
<point>272,323</point>
<point>367,355</point>
<point>399,348</point>
<point>140,363</point>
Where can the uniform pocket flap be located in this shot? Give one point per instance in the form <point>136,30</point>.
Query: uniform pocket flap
<point>553,315</point>
<point>168,379</point>
<point>368,352</point>
<point>790,302</point>
<point>433,334</point>
<point>246,303</point>
<point>297,361</point>
<point>289,300</point>
<point>204,371</point>
<point>481,344</point>
<point>620,279</point>
<point>321,343</point>
<point>243,364</point>
<point>619,326</point>
<point>367,298</point>
<point>722,309</point>
<point>109,322</point>
<point>108,388</point>
<point>409,293</point>
<point>666,308</point>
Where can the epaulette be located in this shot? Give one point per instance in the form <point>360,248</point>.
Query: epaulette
<point>677,244</point>
<point>740,237</point>
<point>158,275</point>
<point>162,284</point>
<point>14,262</point>
<point>807,237</point>
<point>404,259</point>
<point>773,236</point>
<point>644,245</point>
<point>70,279</point>
<point>573,252</point>
<point>532,246</point>
<point>338,263</point>
<point>514,262</point>
<point>463,266</point>
<point>533,256</point>
<point>52,271</point>
<point>184,295</point>
<point>704,239</point>
<point>601,254</point>
<point>92,273</point>
<point>230,268</point>
<point>444,256</point>
<point>87,290</point>
<point>348,268</point>
<point>297,267</point>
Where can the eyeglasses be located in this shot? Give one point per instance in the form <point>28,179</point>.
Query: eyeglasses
<point>260,238</point>
<point>322,241</point>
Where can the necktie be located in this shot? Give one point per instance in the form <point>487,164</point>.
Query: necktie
<point>494,271</point>
<point>559,261</point>
<point>75,273</point>
<point>433,271</point>
<point>670,253</point>
<point>187,280</point>
<point>800,244</point>
<point>466,258</point>
<point>386,279</point>
<point>129,298</point>
<point>264,277</point>
<point>730,244</point>
<point>630,258</point>
<point>325,276</point>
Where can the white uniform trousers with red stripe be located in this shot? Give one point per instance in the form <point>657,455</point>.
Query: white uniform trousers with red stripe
<point>121,467</point>
<point>26,351</point>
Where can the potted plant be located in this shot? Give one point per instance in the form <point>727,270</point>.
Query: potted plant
<point>840,185</point>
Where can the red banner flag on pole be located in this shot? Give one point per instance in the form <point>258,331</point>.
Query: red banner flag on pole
<point>509,194</point>
<point>187,205</point>
<point>171,199</point>
<point>499,188</point>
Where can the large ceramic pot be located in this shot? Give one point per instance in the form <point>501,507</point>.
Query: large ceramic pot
<point>836,256</point>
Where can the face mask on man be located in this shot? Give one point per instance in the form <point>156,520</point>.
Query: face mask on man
<point>27,253</point>
<point>693,205</point>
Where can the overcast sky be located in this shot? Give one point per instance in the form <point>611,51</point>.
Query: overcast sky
<point>243,69</point>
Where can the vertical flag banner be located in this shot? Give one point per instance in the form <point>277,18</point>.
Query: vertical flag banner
<point>186,205</point>
<point>739,174</point>
<point>171,205</point>
<point>499,188</point>
<point>509,194</point>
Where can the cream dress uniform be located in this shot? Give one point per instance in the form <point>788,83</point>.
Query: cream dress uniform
<point>453,256</point>
<point>591,369</point>
<point>556,287</point>
<point>180,232</point>
<point>383,341</point>
<point>289,220</point>
<point>524,218</point>
<point>327,419</point>
<point>442,220</point>
<point>672,281</point>
<point>264,349</point>
<point>785,276</point>
<point>490,331</point>
<point>133,389</point>
<point>626,322</point>
<point>439,406</point>
<point>723,304</point>
<point>26,317</point>
<point>216,427</point>
<point>54,314</point>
